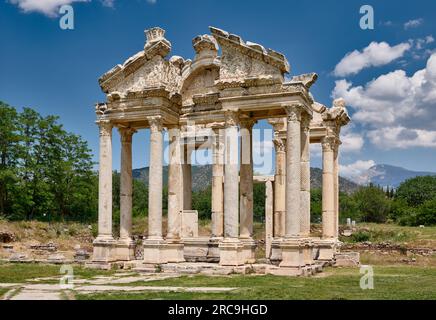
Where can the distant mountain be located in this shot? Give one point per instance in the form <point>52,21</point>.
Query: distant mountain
<point>387,175</point>
<point>202,177</point>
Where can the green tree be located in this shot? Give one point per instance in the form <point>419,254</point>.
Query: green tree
<point>371,204</point>
<point>9,155</point>
<point>418,190</point>
<point>316,205</point>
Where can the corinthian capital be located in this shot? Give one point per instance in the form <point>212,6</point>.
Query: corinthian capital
<point>293,112</point>
<point>329,143</point>
<point>126,134</point>
<point>232,118</point>
<point>155,124</point>
<point>105,127</point>
<point>247,123</point>
<point>279,144</point>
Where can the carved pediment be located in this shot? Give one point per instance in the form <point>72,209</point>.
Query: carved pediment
<point>242,60</point>
<point>146,69</point>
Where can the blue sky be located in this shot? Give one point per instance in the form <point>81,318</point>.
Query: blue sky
<point>388,80</point>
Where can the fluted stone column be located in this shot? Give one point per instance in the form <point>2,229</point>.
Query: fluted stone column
<point>231,247</point>
<point>246,190</point>
<point>218,185</point>
<point>174,246</point>
<point>154,246</point>
<point>125,248</point>
<point>336,181</point>
<point>305,177</point>
<point>104,243</point>
<point>292,255</point>
<point>269,205</point>
<point>187,177</point>
<point>328,188</point>
<point>305,191</point>
<point>279,188</point>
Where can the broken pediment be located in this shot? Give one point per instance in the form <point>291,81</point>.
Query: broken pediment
<point>146,69</point>
<point>246,60</point>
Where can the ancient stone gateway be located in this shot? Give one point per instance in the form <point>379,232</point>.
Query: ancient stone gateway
<point>212,102</point>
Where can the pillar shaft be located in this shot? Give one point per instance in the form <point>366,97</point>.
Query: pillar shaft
<point>336,181</point>
<point>246,180</point>
<point>293,171</point>
<point>305,177</point>
<point>156,180</point>
<point>126,184</point>
<point>218,185</point>
<point>187,178</point>
<point>269,196</point>
<point>105,182</point>
<point>174,184</point>
<point>280,188</point>
<point>328,195</point>
<point>231,177</point>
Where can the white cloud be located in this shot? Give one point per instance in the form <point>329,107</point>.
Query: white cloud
<point>108,3</point>
<point>413,23</point>
<point>351,142</point>
<point>48,7</point>
<point>51,7</point>
<point>375,54</point>
<point>397,110</point>
<point>402,138</point>
<point>357,171</point>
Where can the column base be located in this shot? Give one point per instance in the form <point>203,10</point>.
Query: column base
<point>231,252</point>
<point>104,250</point>
<point>276,251</point>
<point>174,251</point>
<point>249,250</point>
<point>325,249</point>
<point>292,253</point>
<point>307,251</point>
<point>213,254</point>
<point>125,250</point>
<point>196,249</point>
<point>155,251</point>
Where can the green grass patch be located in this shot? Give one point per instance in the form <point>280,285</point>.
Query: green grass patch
<point>390,283</point>
<point>18,273</point>
<point>3,291</point>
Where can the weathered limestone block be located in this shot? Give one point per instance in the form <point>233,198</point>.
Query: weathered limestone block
<point>189,224</point>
